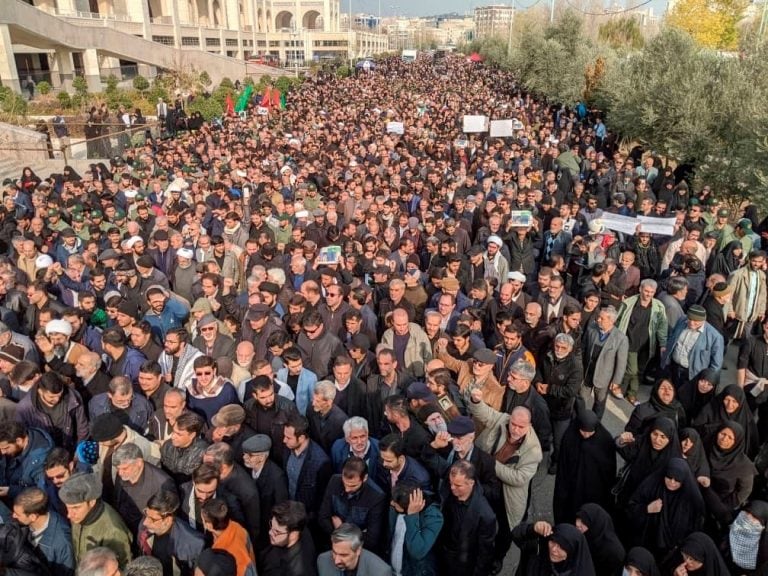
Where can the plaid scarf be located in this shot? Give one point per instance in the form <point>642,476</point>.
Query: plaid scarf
<point>745,541</point>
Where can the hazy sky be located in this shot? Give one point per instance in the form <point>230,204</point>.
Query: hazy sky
<point>431,7</point>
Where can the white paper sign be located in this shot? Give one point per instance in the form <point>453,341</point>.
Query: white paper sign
<point>629,224</point>
<point>502,128</point>
<point>660,226</point>
<point>475,124</point>
<point>618,223</point>
<point>395,128</point>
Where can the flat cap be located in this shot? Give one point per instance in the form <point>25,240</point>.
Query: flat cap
<point>258,443</point>
<point>484,355</point>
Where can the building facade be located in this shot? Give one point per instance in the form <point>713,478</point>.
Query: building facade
<point>286,33</point>
<point>493,20</point>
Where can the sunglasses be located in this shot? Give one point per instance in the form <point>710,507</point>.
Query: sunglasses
<point>204,373</point>
<point>207,329</point>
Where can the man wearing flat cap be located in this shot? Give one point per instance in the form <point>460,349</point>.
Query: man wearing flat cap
<point>270,478</point>
<point>94,523</point>
<point>477,372</point>
<point>458,443</point>
<point>693,345</point>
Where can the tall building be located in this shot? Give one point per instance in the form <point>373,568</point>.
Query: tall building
<point>493,20</point>
<point>54,40</point>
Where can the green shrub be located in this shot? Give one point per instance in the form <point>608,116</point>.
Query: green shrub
<point>65,100</point>
<point>44,87</point>
<point>140,83</point>
<point>227,83</point>
<point>343,71</point>
<point>205,79</point>
<point>81,87</point>
<point>112,82</point>
<point>209,107</point>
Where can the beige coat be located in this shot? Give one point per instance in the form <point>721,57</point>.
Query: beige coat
<point>417,353</point>
<point>515,477</point>
<point>739,281</point>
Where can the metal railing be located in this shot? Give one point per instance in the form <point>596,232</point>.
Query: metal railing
<point>92,15</point>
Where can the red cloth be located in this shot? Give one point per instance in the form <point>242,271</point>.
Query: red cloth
<point>230,105</point>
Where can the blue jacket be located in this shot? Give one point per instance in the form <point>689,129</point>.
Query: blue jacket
<point>26,469</point>
<point>421,532</point>
<point>304,389</point>
<point>340,451</point>
<point>139,412</point>
<point>174,315</point>
<point>56,545</point>
<point>129,364</point>
<point>707,352</point>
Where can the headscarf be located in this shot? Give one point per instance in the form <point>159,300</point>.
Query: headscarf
<point>712,417</point>
<point>682,509</point>
<point>724,460</point>
<point>674,410</point>
<point>701,547</point>
<point>639,558</point>
<point>727,262</point>
<point>694,401</point>
<point>604,545</point>
<point>696,456</point>
<point>648,461</point>
<point>579,561</point>
<point>586,468</point>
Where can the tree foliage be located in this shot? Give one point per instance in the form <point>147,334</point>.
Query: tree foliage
<point>621,33</point>
<point>140,83</point>
<point>712,23</point>
<point>694,105</point>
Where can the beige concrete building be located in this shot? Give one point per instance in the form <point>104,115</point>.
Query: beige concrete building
<point>57,39</point>
<point>493,20</point>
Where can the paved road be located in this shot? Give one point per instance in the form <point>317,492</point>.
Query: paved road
<point>616,415</point>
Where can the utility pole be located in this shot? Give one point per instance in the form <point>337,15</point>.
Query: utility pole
<point>763,22</point>
<point>551,11</point>
<point>509,38</point>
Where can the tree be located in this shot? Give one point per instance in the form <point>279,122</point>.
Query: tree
<point>695,106</point>
<point>622,33</point>
<point>140,83</point>
<point>43,87</point>
<point>205,79</point>
<point>712,23</point>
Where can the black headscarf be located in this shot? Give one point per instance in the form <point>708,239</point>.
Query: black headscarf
<point>726,262</point>
<point>681,510</point>
<point>604,545</point>
<point>674,410</point>
<point>713,416</point>
<point>694,401</point>
<point>646,461</point>
<point>639,558</point>
<point>697,455</point>
<point>732,462</point>
<point>586,468</point>
<point>701,547</point>
<point>579,561</point>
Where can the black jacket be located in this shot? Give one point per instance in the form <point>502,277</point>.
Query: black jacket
<point>325,431</point>
<point>366,509</point>
<point>298,560</point>
<point>273,489</point>
<point>242,487</point>
<point>467,539</point>
<point>564,378</point>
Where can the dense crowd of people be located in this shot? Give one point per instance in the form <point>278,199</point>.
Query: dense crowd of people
<point>303,343</point>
